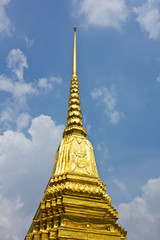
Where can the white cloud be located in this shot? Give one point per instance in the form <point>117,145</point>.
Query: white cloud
<point>28,41</point>
<point>158,79</point>
<point>19,90</point>
<point>5,24</point>
<point>109,98</point>
<point>88,128</point>
<point>48,83</point>
<point>25,166</point>
<point>104,13</point>
<point>17,62</point>
<point>110,169</point>
<point>149,18</point>
<point>141,217</point>
<point>13,221</point>
<point>22,121</point>
<point>6,114</point>
<point>6,84</point>
<point>120,185</point>
<point>115,116</point>
<point>25,162</point>
<point>99,147</point>
<point>102,149</point>
<point>17,151</point>
<point>17,100</point>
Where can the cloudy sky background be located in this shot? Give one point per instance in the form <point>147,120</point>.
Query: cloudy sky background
<point>118,50</point>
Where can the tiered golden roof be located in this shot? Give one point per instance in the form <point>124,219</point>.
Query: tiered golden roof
<point>75,204</point>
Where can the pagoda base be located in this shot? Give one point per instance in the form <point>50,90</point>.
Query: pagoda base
<point>76,218</point>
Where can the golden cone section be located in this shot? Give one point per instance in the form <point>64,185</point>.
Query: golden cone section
<point>74,110</point>
<point>75,205</point>
<point>75,156</point>
<point>74,119</point>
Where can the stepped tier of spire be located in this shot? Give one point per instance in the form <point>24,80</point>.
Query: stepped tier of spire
<point>75,205</point>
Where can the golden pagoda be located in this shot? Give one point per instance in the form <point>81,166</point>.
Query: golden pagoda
<point>75,205</point>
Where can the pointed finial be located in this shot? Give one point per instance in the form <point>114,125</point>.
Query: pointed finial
<point>74,119</point>
<point>74,72</point>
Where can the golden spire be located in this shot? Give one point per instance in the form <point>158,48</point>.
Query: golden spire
<point>75,204</point>
<point>74,119</point>
<point>74,55</point>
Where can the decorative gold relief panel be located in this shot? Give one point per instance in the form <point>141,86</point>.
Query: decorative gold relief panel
<point>75,156</point>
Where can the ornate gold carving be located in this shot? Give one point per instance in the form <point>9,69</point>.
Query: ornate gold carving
<point>74,188</point>
<point>75,155</point>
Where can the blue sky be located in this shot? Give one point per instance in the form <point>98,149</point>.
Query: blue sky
<point>118,67</point>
